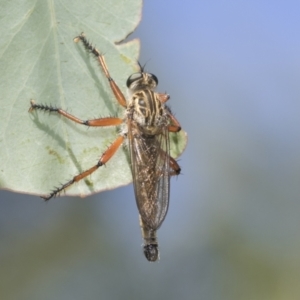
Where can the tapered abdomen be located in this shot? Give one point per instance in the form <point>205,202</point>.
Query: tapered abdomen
<point>150,241</point>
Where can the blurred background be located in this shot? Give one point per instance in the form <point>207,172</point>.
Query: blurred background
<point>232,69</point>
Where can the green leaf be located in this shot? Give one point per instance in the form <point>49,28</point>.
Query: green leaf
<point>40,61</point>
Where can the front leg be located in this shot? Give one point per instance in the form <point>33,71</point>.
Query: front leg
<point>110,121</point>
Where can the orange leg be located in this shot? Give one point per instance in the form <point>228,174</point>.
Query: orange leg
<point>175,125</point>
<point>174,166</point>
<point>106,156</point>
<point>114,87</point>
<point>96,122</point>
<point>163,97</point>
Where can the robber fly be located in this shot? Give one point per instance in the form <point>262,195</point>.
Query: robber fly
<point>146,128</point>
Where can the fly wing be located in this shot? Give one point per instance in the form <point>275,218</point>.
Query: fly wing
<point>150,164</point>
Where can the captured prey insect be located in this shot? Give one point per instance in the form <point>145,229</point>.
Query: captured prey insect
<point>146,127</point>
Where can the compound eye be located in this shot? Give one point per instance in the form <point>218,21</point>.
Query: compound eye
<point>154,78</point>
<point>132,78</point>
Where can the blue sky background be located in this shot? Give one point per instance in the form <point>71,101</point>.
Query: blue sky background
<point>232,69</point>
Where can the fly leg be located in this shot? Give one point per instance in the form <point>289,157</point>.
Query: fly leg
<point>175,168</point>
<point>106,156</point>
<point>110,121</point>
<point>175,125</point>
<point>114,87</point>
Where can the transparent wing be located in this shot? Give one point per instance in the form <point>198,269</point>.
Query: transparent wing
<point>150,164</point>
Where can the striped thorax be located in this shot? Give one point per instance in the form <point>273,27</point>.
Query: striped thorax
<point>145,107</point>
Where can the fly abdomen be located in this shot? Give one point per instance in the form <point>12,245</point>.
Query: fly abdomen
<point>150,242</point>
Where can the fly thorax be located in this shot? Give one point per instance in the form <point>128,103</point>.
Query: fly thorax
<point>148,112</point>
